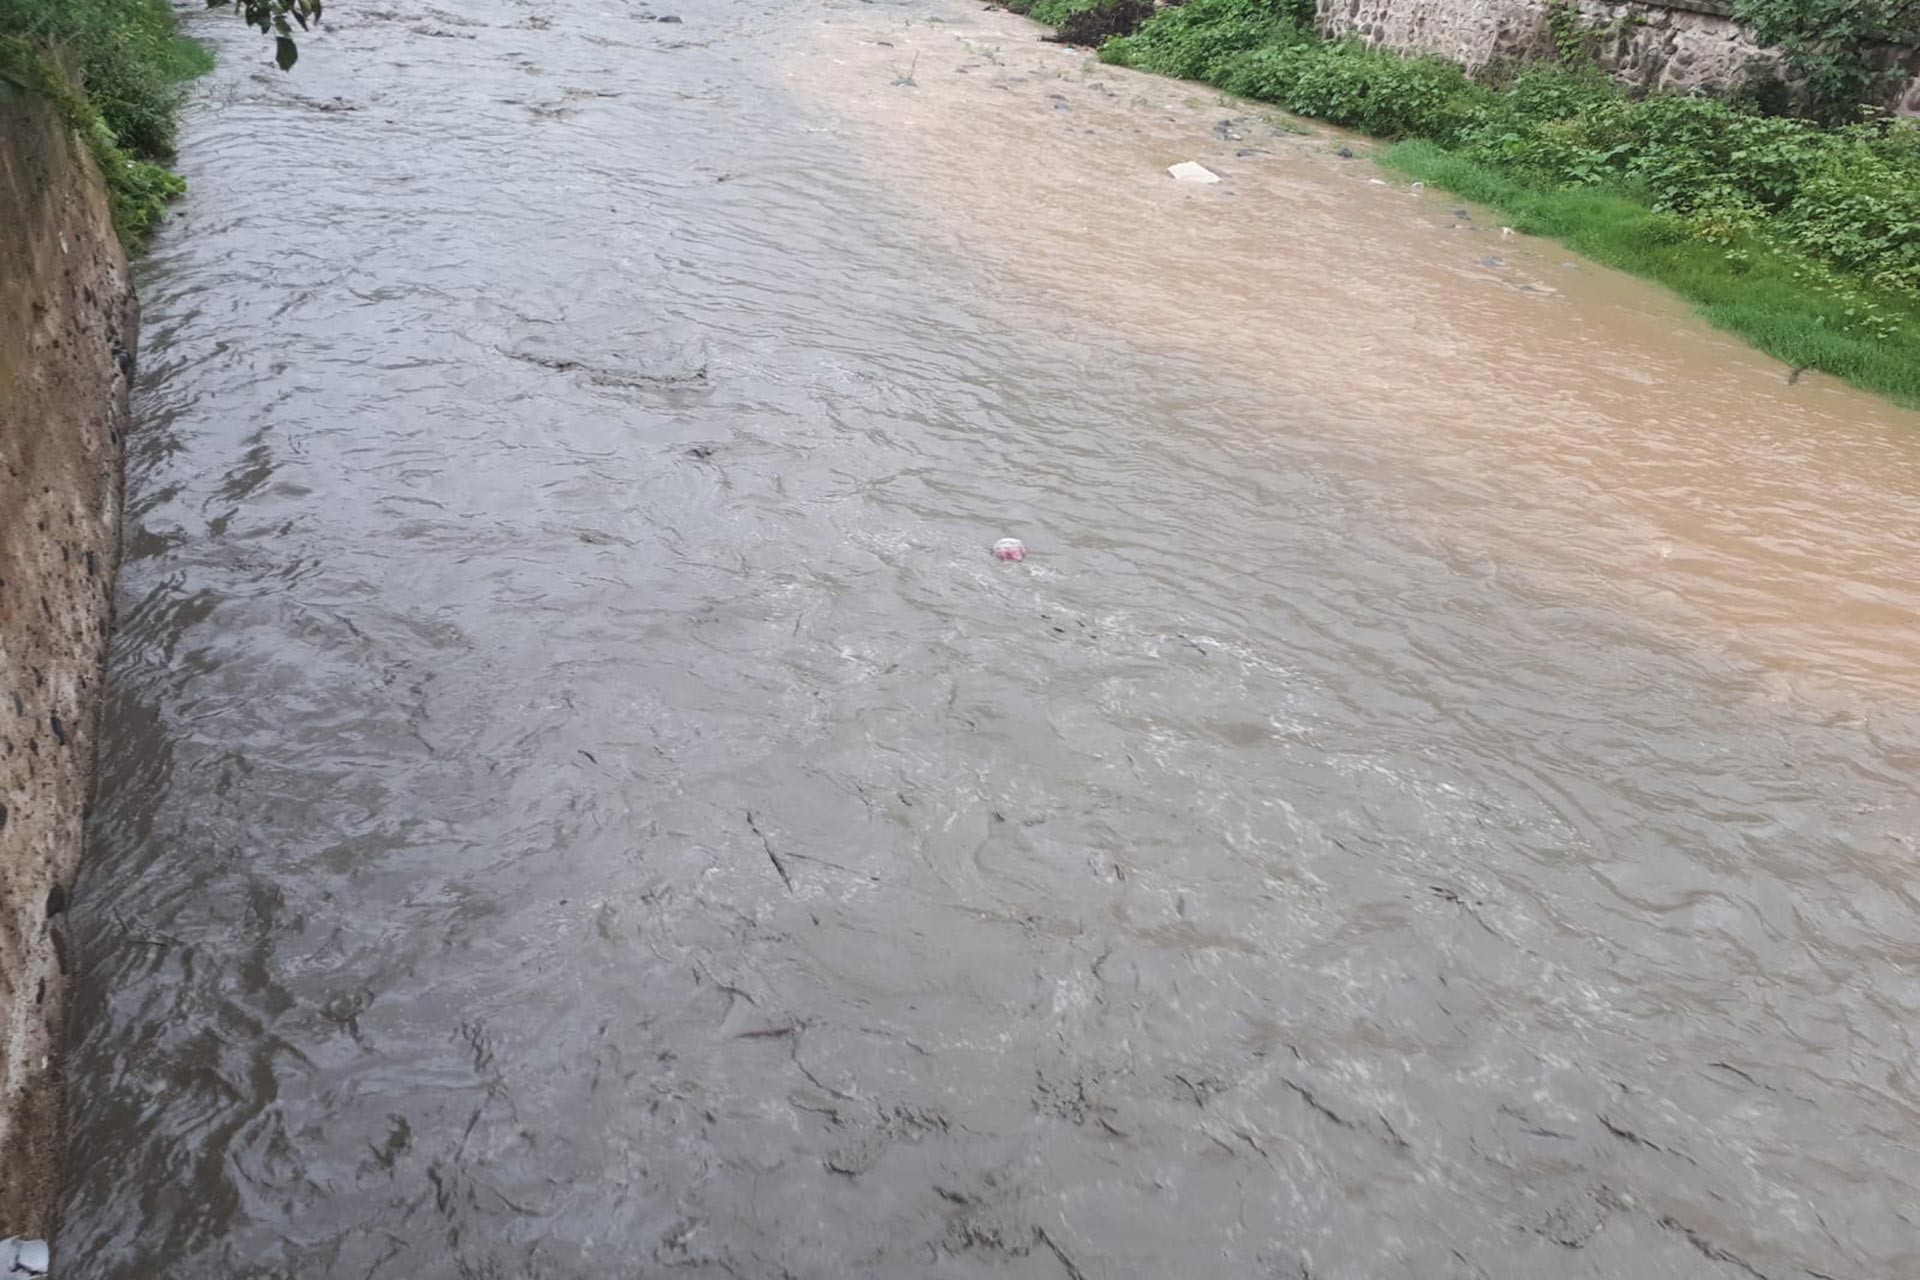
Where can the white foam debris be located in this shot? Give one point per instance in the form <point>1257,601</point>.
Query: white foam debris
<point>1188,171</point>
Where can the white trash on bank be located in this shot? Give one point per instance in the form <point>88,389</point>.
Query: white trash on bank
<point>1188,171</point>
<point>23,1257</point>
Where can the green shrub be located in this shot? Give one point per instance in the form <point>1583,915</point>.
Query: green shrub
<point>126,56</point>
<point>1848,198</point>
<point>138,193</point>
<point>1349,84</point>
<point>1689,151</point>
<point>1088,22</point>
<point>1575,151</point>
<point>115,68</point>
<point>1830,47</point>
<point>1859,210</point>
<point>1192,40</point>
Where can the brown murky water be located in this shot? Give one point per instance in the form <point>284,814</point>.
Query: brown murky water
<point>581,802</point>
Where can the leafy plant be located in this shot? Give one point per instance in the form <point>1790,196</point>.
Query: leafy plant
<point>1349,84</point>
<point>278,19</point>
<point>1088,22</point>
<point>123,55</point>
<point>1576,37</point>
<point>1828,47</point>
<point>1571,34</point>
<point>1192,40</point>
<point>114,70</point>
<point>1859,210</point>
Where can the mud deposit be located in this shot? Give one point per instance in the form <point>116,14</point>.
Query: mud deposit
<point>1434,801</point>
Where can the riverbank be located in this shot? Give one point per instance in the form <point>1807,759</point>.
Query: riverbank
<point>115,71</point>
<point>90,93</point>
<point>89,96</point>
<point>67,334</point>
<point>1803,241</point>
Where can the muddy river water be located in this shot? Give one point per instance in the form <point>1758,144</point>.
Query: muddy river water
<point>1437,801</point>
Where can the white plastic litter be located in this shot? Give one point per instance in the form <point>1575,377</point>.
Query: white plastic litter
<point>1188,171</point>
<point>23,1257</point>
<point>1009,549</point>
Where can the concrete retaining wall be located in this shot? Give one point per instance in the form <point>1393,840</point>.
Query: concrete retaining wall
<point>67,326</point>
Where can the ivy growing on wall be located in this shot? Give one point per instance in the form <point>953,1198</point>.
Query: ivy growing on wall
<point>1828,47</point>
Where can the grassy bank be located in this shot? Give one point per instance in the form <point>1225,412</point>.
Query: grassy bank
<point>1778,301</point>
<point>117,70</point>
<point>1803,240</point>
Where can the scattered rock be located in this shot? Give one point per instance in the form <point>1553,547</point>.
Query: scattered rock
<point>24,1257</point>
<point>1345,153</point>
<point>856,1158</point>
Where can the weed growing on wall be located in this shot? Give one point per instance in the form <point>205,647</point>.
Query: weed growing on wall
<point>1829,46</point>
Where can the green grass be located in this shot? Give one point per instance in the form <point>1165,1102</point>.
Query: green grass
<point>1783,304</point>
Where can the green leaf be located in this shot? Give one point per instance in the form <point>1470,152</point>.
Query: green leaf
<point>285,53</point>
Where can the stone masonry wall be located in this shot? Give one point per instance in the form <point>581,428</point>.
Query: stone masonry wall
<point>1673,45</point>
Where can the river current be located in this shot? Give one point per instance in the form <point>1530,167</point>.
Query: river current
<point>580,799</point>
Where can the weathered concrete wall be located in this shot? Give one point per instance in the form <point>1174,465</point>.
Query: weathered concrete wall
<point>1675,45</point>
<point>67,323</point>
